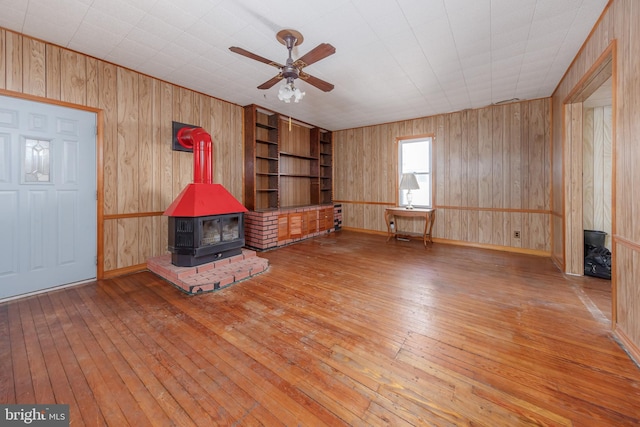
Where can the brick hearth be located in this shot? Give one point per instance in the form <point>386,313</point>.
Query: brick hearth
<point>211,276</point>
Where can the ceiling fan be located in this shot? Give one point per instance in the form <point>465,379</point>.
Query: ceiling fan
<point>293,69</point>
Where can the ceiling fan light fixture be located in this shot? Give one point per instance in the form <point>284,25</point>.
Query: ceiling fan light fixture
<point>288,91</point>
<point>298,94</point>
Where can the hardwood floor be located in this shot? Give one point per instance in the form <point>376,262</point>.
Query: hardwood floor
<point>341,330</point>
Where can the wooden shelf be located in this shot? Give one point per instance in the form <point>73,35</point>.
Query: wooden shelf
<point>295,175</point>
<point>262,141</point>
<point>298,156</point>
<point>287,163</point>
<point>265,126</point>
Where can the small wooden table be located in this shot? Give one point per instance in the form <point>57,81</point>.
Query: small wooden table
<point>429,216</point>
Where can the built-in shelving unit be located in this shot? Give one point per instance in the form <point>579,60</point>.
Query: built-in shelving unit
<point>326,168</point>
<point>261,159</point>
<point>288,163</point>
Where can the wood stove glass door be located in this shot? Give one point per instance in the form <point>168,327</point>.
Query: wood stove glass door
<point>220,229</point>
<point>210,232</point>
<point>230,229</point>
<point>47,196</point>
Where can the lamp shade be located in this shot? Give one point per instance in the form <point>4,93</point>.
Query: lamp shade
<point>409,182</point>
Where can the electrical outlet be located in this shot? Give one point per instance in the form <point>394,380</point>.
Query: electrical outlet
<point>516,234</point>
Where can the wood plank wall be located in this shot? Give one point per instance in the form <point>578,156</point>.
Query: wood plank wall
<point>295,139</point>
<point>141,174</point>
<point>620,22</point>
<point>492,175</point>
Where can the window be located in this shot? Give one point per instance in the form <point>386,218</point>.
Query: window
<point>36,161</point>
<point>414,156</point>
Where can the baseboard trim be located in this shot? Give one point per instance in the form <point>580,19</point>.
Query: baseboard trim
<point>513,249</point>
<point>627,344</point>
<point>364,230</point>
<point>418,237</point>
<point>126,270</point>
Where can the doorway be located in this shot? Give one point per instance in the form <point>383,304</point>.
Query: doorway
<point>597,167</point>
<point>599,79</point>
<point>47,196</point>
<point>573,146</point>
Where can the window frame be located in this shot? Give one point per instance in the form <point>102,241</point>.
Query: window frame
<point>401,197</point>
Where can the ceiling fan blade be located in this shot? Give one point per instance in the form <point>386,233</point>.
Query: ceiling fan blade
<point>314,55</point>
<point>243,52</point>
<point>269,83</point>
<point>319,83</point>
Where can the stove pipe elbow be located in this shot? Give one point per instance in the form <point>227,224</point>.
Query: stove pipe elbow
<point>200,141</point>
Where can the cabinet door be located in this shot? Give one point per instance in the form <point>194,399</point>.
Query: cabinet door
<point>326,219</point>
<point>296,225</point>
<point>312,221</point>
<point>283,227</point>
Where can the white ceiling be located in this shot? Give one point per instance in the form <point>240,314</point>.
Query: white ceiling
<point>394,60</point>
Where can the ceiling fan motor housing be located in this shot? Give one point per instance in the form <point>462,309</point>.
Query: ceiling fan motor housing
<point>289,71</point>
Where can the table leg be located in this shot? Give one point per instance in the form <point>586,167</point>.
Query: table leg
<point>426,225</point>
<point>431,218</point>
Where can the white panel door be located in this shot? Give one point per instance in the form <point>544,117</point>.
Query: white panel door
<point>47,196</point>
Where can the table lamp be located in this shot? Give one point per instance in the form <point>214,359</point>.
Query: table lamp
<point>409,182</point>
